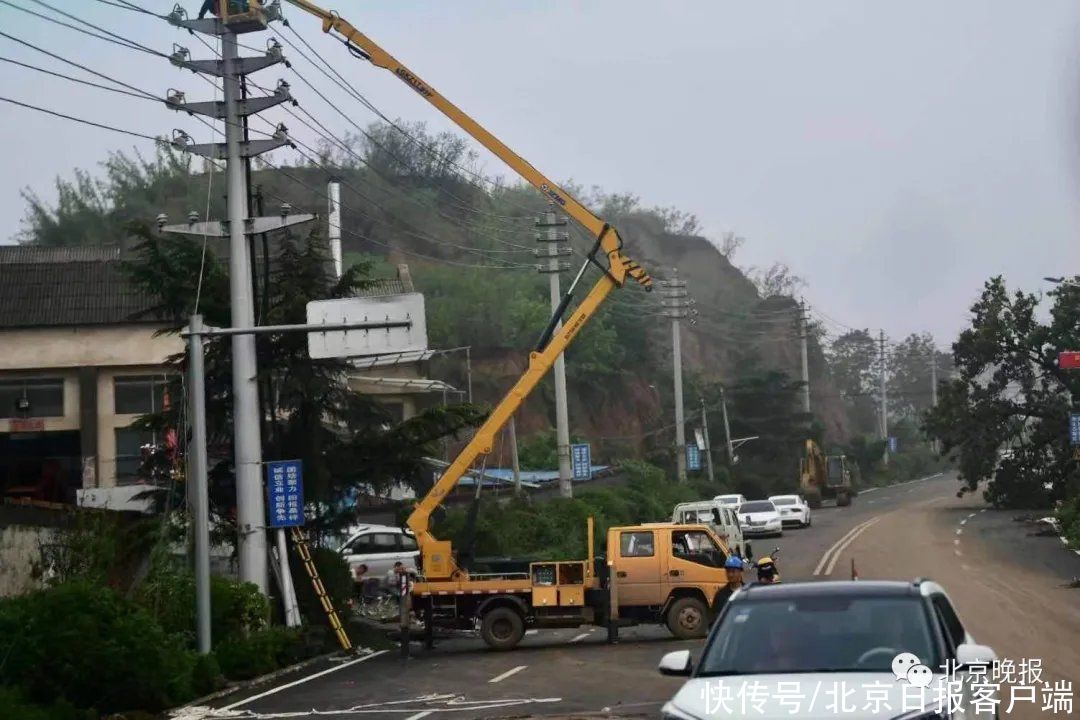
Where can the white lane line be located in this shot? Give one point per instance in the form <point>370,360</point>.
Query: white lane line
<point>869,490</point>
<point>959,531</point>
<point>579,638</point>
<point>842,548</point>
<point>302,680</point>
<point>871,502</point>
<point>964,521</point>
<point>957,553</point>
<point>984,510</point>
<point>530,632</point>
<point>828,553</point>
<point>956,541</point>
<point>419,715</point>
<point>508,673</point>
<point>972,515</point>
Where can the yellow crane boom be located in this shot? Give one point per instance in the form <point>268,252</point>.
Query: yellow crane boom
<point>437,556</point>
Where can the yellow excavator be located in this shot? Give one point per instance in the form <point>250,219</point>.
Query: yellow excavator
<point>824,476</point>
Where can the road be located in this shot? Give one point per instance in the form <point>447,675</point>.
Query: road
<point>1009,587</point>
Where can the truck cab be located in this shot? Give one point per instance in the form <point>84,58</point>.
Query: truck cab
<point>673,574</point>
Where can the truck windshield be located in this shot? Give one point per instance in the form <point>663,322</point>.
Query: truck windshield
<point>836,468</point>
<point>820,634</point>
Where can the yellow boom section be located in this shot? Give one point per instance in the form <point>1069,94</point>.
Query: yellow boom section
<point>437,555</point>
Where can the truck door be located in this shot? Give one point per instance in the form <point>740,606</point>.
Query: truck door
<point>696,561</point>
<point>637,568</point>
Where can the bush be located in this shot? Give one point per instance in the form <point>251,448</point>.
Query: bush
<point>236,609</point>
<point>206,675</point>
<point>262,652</point>
<point>91,647</point>
<point>1068,516</point>
<point>14,705</point>
<point>337,580</point>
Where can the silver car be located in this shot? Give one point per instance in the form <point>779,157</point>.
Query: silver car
<point>379,547</point>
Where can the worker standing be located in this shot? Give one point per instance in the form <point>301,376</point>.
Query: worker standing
<point>733,569</point>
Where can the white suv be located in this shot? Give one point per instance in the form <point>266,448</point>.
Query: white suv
<point>379,547</point>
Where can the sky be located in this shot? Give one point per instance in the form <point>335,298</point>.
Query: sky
<point>894,154</point>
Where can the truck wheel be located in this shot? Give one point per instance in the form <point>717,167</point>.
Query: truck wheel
<point>688,618</point>
<point>843,500</point>
<point>502,628</point>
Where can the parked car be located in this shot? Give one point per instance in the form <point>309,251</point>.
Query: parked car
<point>760,517</point>
<point>867,636</point>
<point>793,510</point>
<point>730,500</point>
<point>379,547</point>
<point>721,518</point>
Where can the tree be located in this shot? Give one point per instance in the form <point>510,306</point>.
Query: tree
<point>909,374</point>
<point>778,279</point>
<point>854,362</point>
<point>1010,394</point>
<point>347,441</point>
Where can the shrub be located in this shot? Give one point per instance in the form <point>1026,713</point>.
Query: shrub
<point>263,651</point>
<point>336,579</point>
<point>91,647</point>
<point>236,609</point>
<point>1068,516</point>
<point>206,675</point>
<point>14,705</point>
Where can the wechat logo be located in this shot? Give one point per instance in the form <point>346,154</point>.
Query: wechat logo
<point>906,666</point>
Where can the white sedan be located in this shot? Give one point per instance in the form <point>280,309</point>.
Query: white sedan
<point>793,510</point>
<point>760,517</point>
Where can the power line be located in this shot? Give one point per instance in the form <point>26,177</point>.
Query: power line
<point>81,120</point>
<point>74,79</point>
<point>113,37</point>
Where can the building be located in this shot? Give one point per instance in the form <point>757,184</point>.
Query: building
<point>77,367</point>
<point>81,360</point>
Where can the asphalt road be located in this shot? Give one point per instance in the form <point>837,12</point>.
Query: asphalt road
<point>1009,588</point>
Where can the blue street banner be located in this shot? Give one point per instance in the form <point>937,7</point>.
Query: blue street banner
<point>581,459</point>
<point>285,493</point>
<point>893,444</point>
<point>1074,428</point>
<point>693,457</point>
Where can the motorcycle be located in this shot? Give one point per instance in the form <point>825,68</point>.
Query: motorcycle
<point>767,571</point>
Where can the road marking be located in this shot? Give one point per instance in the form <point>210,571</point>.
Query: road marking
<point>871,502</point>
<point>419,715</point>
<point>956,542</point>
<point>508,673</point>
<point>972,515</point>
<point>984,510</point>
<point>964,521</point>
<point>836,555</point>
<point>579,638</point>
<point>959,531</point>
<point>530,632</point>
<point>828,553</point>
<point>869,490</point>
<point>957,553</point>
<point>302,680</point>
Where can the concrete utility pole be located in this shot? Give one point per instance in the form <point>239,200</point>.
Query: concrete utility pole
<point>250,503</point>
<point>198,492</point>
<point>550,232</point>
<point>933,389</point>
<point>708,443</point>
<point>333,219</point>
<point>675,302</point>
<point>884,400</point>
<point>514,463</point>
<point>805,363</point>
<point>727,429</point>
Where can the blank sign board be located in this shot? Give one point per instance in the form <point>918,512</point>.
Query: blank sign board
<point>408,307</point>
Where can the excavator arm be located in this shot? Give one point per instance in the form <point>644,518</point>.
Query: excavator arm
<point>606,254</point>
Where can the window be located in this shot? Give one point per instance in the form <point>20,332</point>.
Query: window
<point>783,501</point>
<point>757,506</point>
<point>129,445</point>
<point>408,543</point>
<point>953,628</point>
<point>384,542</point>
<point>697,547</point>
<point>139,394</point>
<point>37,398</point>
<point>636,544</point>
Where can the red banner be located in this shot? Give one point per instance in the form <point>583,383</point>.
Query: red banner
<point>1069,359</point>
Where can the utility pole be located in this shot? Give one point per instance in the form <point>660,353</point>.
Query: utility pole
<point>247,442</point>
<point>708,444</point>
<point>884,400</point>
<point>933,389</point>
<point>676,304</point>
<point>198,491</point>
<point>550,232</point>
<point>727,429</point>
<point>333,220</point>
<point>514,463</point>
<point>805,363</point>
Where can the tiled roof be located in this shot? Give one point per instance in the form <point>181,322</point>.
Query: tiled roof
<point>51,287</point>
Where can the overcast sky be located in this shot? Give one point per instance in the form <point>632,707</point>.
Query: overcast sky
<point>895,155</point>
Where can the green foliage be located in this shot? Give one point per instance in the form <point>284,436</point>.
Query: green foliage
<point>206,675</point>
<point>237,609</point>
<point>261,652</point>
<point>1010,393</point>
<point>1068,516</point>
<point>87,645</point>
<point>98,547</point>
<point>15,705</point>
<point>336,579</point>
